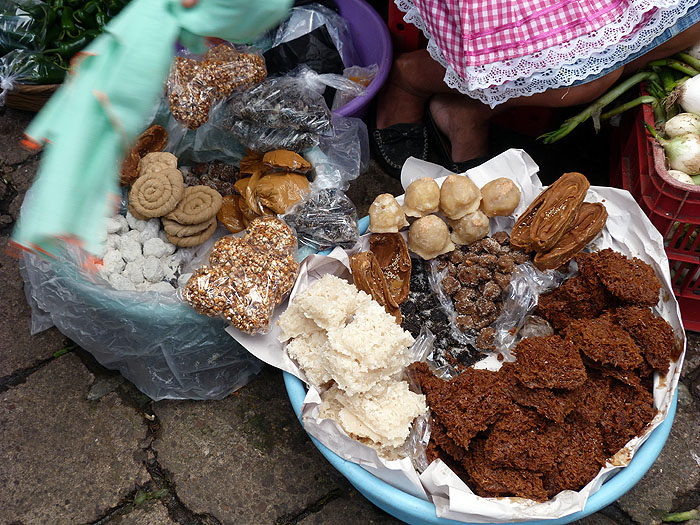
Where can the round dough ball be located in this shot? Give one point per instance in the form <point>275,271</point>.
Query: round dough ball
<point>422,197</point>
<point>470,228</point>
<point>459,196</point>
<point>500,197</point>
<point>429,237</point>
<point>386,215</point>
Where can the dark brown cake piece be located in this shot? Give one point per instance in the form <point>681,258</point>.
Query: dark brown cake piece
<point>632,281</point>
<point>548,362</point>
<point>627,412</point>
<point>522,440</point>
<point>554,405</point>
<point>579,297</point>
<point>489,479</point>
<point>653,334</point>
<point>579,456</point>
<point>604,342</point>
<point>465,405</point>
<point>440,439</point>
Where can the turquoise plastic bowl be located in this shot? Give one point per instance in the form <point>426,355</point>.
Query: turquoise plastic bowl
<point>416,511</point>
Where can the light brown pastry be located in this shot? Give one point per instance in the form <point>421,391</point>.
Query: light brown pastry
<point>422,197</point>
<point>157,193</point>
<point>500,197</point>
<point>558,210</point>
<point>198,205</point>
<point>386,215</point>
<point>193,240</point>
<point>589,222</point>
<point>176,229</point>
<point>157,161</point>
<point>458,196</point>
<point>230,214</point>
<point>285,160</point>
<point>429,237</point>
<point>469,228</point>
<point>391,252</point>
<point>154,139</point>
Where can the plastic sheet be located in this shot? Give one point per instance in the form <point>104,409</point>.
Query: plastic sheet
<point>165,348</point>
<point>304,20</point>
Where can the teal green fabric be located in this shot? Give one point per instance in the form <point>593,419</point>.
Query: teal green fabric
<point>103,105</point>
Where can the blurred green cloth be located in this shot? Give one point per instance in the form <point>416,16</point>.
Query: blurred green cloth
<point>102,107</point>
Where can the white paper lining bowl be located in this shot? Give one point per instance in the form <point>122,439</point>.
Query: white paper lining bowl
<point>411,509</point>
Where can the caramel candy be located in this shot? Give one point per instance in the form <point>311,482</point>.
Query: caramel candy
<point>558,210</point>
<point>230,214</point>
<point>368,277</point>
<point>251,162</point>
<point>589,222</point>
<point>386,215</point>
<point>422,197</point>
<point>459,196</point>
<point>153,139</point>
<point>285,160</point>
<point>391,252</point>
<point>429,237</point>
<point>500,197</point>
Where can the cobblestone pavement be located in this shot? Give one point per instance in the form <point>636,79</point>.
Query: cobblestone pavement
<point>81,445</point>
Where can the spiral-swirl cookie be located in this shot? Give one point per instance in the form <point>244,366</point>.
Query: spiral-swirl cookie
<point>193,240</point>
<point>198,205</point>
<point>155,194</point>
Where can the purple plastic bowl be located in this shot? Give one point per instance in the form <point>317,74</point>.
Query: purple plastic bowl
<point>370,36</point>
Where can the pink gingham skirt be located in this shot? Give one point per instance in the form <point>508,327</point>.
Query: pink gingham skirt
<point>498,49</point>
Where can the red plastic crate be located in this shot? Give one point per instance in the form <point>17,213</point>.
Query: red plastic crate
<point>672,207</point>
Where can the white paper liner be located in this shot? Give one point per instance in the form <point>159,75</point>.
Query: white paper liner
<point>628,230</point>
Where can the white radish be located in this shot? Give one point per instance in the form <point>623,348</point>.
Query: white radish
<point>681,124</point>
<point>681,177</point>
<point>689,95</point>
<point>683,153</point>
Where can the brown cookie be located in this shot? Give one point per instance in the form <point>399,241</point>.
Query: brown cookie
<point>136,214</point>
<point>192,240</point>
<point>199,204</point>
<point>179,230</point>
<point>155,194</point>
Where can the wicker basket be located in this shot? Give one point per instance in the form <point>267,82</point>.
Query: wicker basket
<point>29,97</point>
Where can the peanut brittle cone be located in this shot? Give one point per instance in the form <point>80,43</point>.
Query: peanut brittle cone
<point>589,222</point>
<point>367,276</point>
<point>520,235</point>
<point>391,252</point>
<point>558,210</point>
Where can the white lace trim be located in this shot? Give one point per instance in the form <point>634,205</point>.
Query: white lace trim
<point>556,67</point>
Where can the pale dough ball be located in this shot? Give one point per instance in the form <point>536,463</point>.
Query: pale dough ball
<point>386,215</point>
<point>429,237</point>
<point>500,197</point>
<point>459,196</point>
<point>470,228</point>
<point>422,197</point>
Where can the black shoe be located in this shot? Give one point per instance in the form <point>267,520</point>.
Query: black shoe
<point>441,143</point>
<point>393,145</point>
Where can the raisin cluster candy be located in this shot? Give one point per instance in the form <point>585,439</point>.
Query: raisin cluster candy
<point>475,277</point>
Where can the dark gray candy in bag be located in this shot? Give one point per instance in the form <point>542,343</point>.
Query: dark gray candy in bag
<point>325,218</point>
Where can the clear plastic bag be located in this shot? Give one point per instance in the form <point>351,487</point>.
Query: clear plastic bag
<point>165,348</point>
<point>305,19</point>
<point>325,218</point>
<point>247,277</point>
<point>286,112</point>
<point>362,75</point>
<point>196,83</point>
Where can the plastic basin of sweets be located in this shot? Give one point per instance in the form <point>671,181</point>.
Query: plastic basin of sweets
<point>413,510</point>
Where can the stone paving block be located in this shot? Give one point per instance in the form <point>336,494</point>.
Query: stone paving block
<point>151,513</point>
<point>596,519</point>
<point>351,509</point>
<point>245,459</point>
<point>63,459</point>
<point>674,474</point>
<point>18,348</point>
<point>12,125</point>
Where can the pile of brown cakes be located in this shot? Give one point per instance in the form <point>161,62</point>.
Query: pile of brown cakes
<point>548,421</point>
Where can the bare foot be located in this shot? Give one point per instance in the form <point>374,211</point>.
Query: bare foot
<point>465,122</point>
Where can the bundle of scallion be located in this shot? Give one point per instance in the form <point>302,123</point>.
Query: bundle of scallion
<point>673,87</point>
